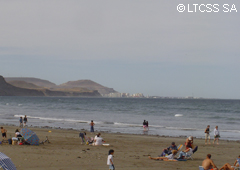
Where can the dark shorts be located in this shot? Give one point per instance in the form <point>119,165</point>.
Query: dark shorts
<point>4,134</point>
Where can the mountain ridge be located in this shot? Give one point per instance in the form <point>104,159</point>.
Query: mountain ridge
<point>83,85</point>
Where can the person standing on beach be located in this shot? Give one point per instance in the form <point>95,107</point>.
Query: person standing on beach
<point>110,159</point>
<point>4,133</point>
<point>216,135</point>
<point>21,122</point>
<point>207,135</point>
<point>144,125</point>
<point>147,125</point>
<point>25,120</point>
<point>91,126</point>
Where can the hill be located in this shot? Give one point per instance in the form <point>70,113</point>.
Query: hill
<point>35,81</point>
<point>89,84</point>
<point>23,84</point>
<point>7,89</point>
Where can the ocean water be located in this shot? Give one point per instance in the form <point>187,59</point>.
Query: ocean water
<point>168,117</point>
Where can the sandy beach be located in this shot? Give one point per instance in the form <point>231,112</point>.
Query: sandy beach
<point>65,152</point>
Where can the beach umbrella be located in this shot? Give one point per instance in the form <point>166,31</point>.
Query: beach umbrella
<point>30,136</point>
<point>6,163</point>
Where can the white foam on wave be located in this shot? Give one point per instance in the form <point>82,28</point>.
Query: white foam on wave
<point>7,104</point>
<point>178,115</point>
<point>19,104</point>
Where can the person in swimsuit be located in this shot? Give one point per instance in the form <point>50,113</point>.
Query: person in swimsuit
<point>207,135</point>
<point>227,166</point>
<point>208,164</point>
<point>144,125</point>
<point>91,126</point>
<point>189,142</point>
<point>4,133</point>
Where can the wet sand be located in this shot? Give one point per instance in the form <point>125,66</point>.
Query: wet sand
<point>65,152</point>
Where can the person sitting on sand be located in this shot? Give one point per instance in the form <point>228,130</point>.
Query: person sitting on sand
<point>189,142</point>
<point>98,140</point>
<point>208,163</point>
<point>169,149</point>
<point>227,166</point>
<point>185,152</point>
<point>17,133</point>
<point>4,133</point>
<point>169,157</point>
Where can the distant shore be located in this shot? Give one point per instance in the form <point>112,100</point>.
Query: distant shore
<point>131,151</point>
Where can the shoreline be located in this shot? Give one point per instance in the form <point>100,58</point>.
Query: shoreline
<point>110,132</point>
<point>131,151</point>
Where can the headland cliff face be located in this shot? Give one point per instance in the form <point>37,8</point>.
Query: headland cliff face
<point>7,89</point>
<point>10,90</point>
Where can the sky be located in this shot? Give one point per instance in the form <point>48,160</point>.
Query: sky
<point>133,46</point>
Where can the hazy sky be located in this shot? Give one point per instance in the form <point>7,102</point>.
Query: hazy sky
<point>134,46</point>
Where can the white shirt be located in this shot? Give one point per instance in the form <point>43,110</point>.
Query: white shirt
<point>110,157</point>
<point>216,132</point>
<point>98,141</point>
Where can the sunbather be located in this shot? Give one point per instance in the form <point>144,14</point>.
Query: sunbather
<point>227,166</point>
<point>171,156</point>
<point>208,163</point>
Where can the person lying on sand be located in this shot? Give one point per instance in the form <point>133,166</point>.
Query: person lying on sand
<point>171,156</point>
<point>208,163</point>
<point>227,166</point>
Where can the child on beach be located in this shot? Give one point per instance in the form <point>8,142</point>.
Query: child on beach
<point>4,133</point>
<point>21,122</point>
<point>110,159</point>
<point>91,125</point>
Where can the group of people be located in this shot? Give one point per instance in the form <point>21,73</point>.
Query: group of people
<point>23,121</point>
<point>207,135</point>
<point>171,152</point>
<point>145,125</point>
<point>97,140</point>
<point>209,164</point>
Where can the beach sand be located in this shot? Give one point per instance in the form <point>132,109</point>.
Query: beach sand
<point>65,152</point>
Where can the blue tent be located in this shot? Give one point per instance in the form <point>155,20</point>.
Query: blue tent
<point>30,136</point>
<point>6,163</point>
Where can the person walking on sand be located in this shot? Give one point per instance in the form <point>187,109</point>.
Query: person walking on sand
<point>216,135</point>
<point>21,122</point>
<point>91,126</point>
<point>207,135</point>
<point>110,159</point>
<point>25,120</point>
<point>4,133</point>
